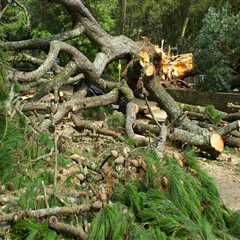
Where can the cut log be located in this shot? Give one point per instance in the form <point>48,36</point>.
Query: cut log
<point>214,143</point>
<point>159,115</point>
<point>229,128</point>
<point>232,141</point>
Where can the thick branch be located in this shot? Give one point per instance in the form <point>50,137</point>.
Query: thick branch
<point>229,128</point>
<point>57,211</point>
<point>55,47</point>
<point>232,141</point>
<point>24,57</point>
<point>41,43</point>
<point>131,113</point>
<point>58,81</point>
<point>175,113</point>
<point>214,143</point>
<point>85,124</point>
<point>77,232</point>
<point>161,140</point>
<point>77,10</point>
<point>76,104</point>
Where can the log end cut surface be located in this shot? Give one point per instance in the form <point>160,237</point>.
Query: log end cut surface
<point>217,142</point>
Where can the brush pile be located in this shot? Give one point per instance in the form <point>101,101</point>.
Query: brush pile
<point>165,197</point>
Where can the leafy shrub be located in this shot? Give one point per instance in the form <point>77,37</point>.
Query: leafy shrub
<point>217,49</point>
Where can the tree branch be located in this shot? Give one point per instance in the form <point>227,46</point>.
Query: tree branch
<point>45,212</point>
<point>41,43</point>
<point>77,232</point>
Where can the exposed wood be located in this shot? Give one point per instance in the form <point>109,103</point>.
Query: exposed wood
<point>159,115</point>
<point>178,67</point>
<point>214,143</point>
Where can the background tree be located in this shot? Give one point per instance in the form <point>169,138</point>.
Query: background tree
<point>217,50</point>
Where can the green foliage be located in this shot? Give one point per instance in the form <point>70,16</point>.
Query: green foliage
<point>4,86</point>
<point>214,116</point>
<point>13,24</point>
<point>217,49</point>
<point>3,126</point>
<point>185,206</point>
<point>97,113</point>
<point>30,230</point>
<point>116,121</point>
<point>233,222</point>
<point>111,223</point>
<point>104,11</point>
<point>18,150</point>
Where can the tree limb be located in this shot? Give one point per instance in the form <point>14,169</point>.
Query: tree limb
<point>77,232</point>
<point>45,212</point>
<point>41,43</point>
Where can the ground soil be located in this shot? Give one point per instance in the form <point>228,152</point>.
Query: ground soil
<point>226,174</point>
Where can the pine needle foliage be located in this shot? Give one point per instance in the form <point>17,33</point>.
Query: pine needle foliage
<point>30,230</point>
<point>214,116</point>
<point>173,202</point>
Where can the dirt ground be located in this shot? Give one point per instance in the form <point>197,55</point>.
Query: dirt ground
<point>226,174</point>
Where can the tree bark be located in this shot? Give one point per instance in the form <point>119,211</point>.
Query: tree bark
<point>57,211</point>
<point>214,143</point>
<point>76,232</point>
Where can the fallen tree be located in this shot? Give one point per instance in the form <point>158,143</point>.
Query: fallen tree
<point>149,69</point>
